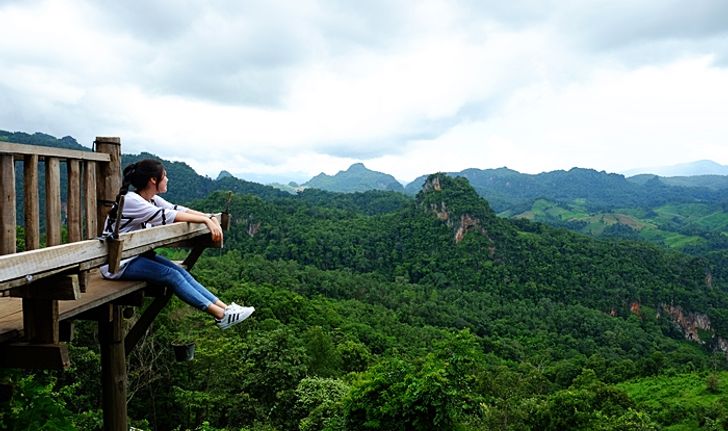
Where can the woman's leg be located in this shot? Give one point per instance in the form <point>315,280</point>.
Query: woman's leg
<point>146,269</point>
<point>188,277</point>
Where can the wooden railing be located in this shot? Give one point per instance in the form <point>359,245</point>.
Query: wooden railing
<point>84,191</point>
<point>60,272</point>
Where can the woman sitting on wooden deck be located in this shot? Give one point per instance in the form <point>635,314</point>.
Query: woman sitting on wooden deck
<point>144,208</point>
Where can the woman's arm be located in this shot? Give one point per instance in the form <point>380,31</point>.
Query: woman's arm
<point>198,217</point>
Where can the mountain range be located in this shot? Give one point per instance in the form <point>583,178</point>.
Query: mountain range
<point>686,212</point>
<point>700,167</point>
<point>378,310</point>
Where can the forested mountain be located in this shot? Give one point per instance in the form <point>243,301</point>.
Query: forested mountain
<point>509,190</point>
<point>41,139</point>
<point>713,182</point>
<point>375,311</point>
<point>378,311</point>
<point>689,215</point>
<point>700,167</point>
<point>355,179</point>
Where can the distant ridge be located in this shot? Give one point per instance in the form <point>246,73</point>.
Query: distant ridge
<point>700,167</point>
<point>355,179</point>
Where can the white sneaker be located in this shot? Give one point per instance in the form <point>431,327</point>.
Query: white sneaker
<point>234,315</point>
<point>234,306</point>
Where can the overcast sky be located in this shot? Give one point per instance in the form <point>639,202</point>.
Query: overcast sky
<point>296,87</point>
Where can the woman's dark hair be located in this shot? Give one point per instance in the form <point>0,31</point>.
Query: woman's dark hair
<point>138,175</point>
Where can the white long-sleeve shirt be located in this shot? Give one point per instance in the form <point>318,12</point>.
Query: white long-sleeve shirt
<point>140,213</point>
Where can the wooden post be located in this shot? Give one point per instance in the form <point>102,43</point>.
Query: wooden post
<point>108,177</point>
<point>32,207</point>
<point>53,201</point>
<point>7,201</point>
<point>89,193</point>
<point>113,370</point>
<point>73,207</point>
<point>111,336</point>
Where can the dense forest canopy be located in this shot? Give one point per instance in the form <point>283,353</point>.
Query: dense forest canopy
<point>379,311</point>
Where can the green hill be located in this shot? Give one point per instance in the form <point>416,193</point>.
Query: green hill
<point>609,205</point>
<point>355,179</point>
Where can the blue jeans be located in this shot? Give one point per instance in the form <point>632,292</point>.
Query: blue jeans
<point>160,270</point>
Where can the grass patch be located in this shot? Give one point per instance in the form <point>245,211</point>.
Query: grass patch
<point>681,402</point>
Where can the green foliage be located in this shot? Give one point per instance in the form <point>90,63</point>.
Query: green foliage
<point>355,179</point>
<point>36,405</point>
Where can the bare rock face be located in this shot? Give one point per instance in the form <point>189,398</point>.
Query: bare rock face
<point>431,184</point>
<point>690,323</point>
<point>468,223</point>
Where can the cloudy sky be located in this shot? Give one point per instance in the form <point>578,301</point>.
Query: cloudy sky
<point>288,89</point>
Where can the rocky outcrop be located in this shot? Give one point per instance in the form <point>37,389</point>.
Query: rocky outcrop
<point>692,324</point>
<point>468,223</point>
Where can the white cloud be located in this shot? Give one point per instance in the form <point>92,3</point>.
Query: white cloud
<point>313,86</point>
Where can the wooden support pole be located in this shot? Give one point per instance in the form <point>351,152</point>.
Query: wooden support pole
<point>89,195</point>
<point>108,177</point>
<point>53,201</point>
<point>73,207</point>
<point>7,204</point>
<point>113,371</point>
<point>31,202</point>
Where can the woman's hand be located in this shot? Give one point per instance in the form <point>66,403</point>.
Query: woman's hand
<point>198,217</point>
<point>215,229</point>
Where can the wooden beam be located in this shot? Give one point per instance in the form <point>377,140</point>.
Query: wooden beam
<point>24,268</point>
<point>96,314</point>
<point>73,205</point>
<point>62,153</point>
<point>32,356</point>
<point>89,195</point>
<point>7,204</point>
<point>53,201</point>
<point>63,287</point>
<point>134,299</point>
<point>108,177</point>
<point>113,372</point>
<point>31,202</point>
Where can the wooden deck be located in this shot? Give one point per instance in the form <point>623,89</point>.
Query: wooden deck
<point>100,291</point>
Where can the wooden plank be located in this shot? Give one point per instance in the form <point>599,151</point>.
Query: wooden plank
<point>89,194</point>
<point>31,202</point>
<point>53,201</point>
<point>40,356</point>
<point>63,287</point>
<point>108,177</point>
<point>73,206</point>
<point>7,202</point>
<point>91,253</point>
<point>62,153</point>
